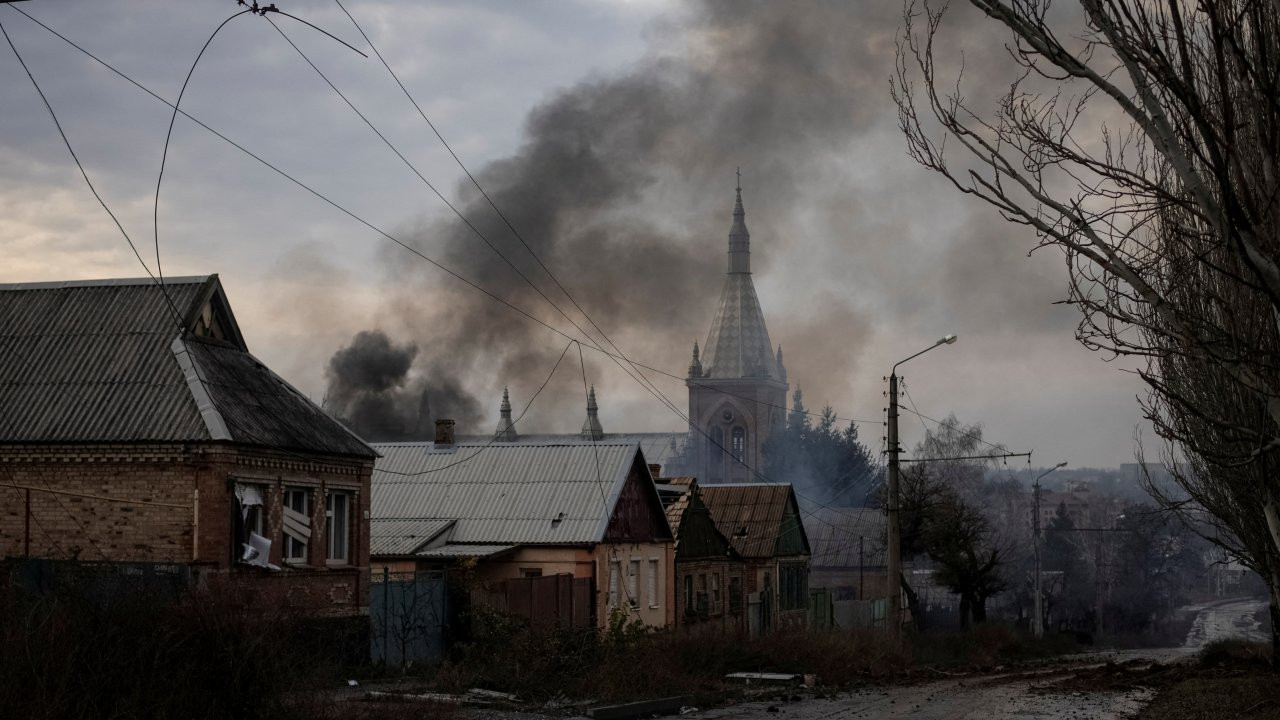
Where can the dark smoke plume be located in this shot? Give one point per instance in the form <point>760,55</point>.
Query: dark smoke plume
<point>624,187</point>
<point>370,390</point>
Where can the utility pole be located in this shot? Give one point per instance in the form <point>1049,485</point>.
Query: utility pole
<point>893,548</point>
<point>893,552</point>
<point>1038,627</point>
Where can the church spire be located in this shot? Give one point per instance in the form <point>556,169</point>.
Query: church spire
<point>739,238</point>
<point>782,370</point>
<point>695,367</point>
<point>591,429</point>
<point>506,431</point>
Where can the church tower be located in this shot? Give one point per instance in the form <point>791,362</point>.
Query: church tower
<point>737,384</point>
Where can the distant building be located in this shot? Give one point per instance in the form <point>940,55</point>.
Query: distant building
<point>495,513</point>
<point>762,522</point>
<point>848,552</point>
<point>737,382</point>
<point>137,429</point>
<point>710,575</point>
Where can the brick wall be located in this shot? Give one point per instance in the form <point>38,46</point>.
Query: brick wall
<point>180,510</point>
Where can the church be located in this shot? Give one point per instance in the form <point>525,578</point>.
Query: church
<point>737,383</point>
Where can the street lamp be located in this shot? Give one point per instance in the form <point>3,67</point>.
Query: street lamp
<point>1039,605</point>
<point>894,554</point>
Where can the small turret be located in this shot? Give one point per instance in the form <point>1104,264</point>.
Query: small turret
<point>695,367</point>
<point>782,370</point>
<point>591,429</point>
<point>506,431</point>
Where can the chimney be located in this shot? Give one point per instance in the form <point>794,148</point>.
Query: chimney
<point>655,470</point>
<point>444,431</point>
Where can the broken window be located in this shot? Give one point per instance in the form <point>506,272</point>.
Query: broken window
<point>250,546</point>
<point>296,521</point>
<point>337,527</point>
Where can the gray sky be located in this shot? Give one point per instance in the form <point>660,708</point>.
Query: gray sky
<point>608,132</point>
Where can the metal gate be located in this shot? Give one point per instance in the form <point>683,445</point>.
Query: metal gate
<point>406,616</point>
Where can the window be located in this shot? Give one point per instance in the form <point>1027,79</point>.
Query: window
<point>653,582</point>
<point>296,524</point>
<point>633,582</point>
<point>615,569</point>
<point>715,443</point>
<point>337,527</point>
<point>247,525</point>
<point>735,594</point>
<point>530,572</point>
<point>738,446</point>
<point>793,587</point>
<point>715,593</point>
<point>689,602</point>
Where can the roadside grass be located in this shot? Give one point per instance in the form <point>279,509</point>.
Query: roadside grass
<point>627,662</point>
<point>1234,679</point>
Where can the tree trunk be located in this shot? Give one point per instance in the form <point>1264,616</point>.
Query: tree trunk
<point>913,605</point>
<point>964,611</point>
<point>979,609</point>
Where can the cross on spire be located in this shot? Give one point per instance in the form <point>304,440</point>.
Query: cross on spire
<point>738,172</point>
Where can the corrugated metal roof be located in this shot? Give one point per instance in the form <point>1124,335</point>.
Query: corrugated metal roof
<point>749,514</point>
<point>90,361</point>
<point>505,493</point>
<point>658,447</point>
<point>388,536</point>
<point>834,532</point>
<point>455,550</point>
<point>97,361</point>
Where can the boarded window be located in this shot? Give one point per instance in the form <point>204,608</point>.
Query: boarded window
<point>296,524</point>
<point>633,582</point>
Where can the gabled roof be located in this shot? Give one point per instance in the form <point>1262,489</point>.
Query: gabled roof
<point>521,493</point>
<point>755,516</point>
<point>125,361</point>
<point>834,534</point>
<point>658,447</point>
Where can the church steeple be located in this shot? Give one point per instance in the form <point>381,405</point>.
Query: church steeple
<point>506,431</point>
<point>591,429</point>
<point>695,366</point>
<point>738,345</point>
<point>739,237</point>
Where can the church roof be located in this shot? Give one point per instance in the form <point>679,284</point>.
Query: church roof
<point>738,345</point>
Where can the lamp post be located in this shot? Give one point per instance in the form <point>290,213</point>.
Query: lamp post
<point>894,554</point>
<point>1038,626</point>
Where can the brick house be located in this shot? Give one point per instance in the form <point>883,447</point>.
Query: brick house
<point>135,427</point>
<point>762,523</point>
<point>710,575</point>
<point>502,513</point>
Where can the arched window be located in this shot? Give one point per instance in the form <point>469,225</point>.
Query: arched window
<point>715,443</point>
<point>738,447</point>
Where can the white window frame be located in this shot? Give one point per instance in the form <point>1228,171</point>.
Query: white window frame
<point>333,498</point>
<point>290,543</point>
<point>633,582</point>
<point>654,585</point>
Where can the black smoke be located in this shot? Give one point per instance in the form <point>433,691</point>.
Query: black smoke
<point>370,389</point>
<point>624,188</point>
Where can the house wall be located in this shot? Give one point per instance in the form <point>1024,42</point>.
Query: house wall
<point>766,573</point>
<point>720,615</point>
<point>179,510</point>
<point>657,612</point>
<point>847,583</point>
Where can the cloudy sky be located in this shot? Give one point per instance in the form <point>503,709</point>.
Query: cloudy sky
<point>608,134</point>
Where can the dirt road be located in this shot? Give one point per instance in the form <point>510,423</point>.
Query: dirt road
<point>1026,696</point>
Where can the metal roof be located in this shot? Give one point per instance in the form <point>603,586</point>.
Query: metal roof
<point>394,536</point>
<point>505,493</point>
<point>117,361</point>
<point>661,448</point>
<point>751,515</point>
<point>834,532</point>
<point>738,344</point>
<point>456,550</point>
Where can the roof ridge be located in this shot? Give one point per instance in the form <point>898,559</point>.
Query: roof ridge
<point>105,282</point>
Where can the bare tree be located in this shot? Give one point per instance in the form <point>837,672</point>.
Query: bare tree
<point>1167,215</point>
